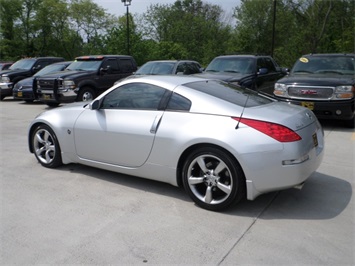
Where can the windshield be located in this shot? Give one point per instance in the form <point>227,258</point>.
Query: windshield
<point>25,64</point>
<point>88,65</point>
<point>341,65</point>
<point>50,69</point>
<point>242,65</point>
<point>156,68</point>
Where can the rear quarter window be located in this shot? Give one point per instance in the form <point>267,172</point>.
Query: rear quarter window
<point>229,92</point>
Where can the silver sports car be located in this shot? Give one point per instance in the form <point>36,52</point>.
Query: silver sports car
<point>219,141</point>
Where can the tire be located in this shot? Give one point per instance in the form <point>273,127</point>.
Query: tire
<point>350,123</point>
<point>210,189</point>
<point>46,147</point>
<point>86,94</point>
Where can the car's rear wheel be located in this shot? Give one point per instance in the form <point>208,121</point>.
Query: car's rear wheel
<point>213,178</point>
<point>46,147</point>
<point>85,94</point>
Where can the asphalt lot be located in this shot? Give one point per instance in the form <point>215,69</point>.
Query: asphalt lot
<point>81,215</point>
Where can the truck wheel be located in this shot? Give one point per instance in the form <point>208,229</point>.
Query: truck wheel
<point>52,104</point>
<point>85,94</point>
<point>351,123</point>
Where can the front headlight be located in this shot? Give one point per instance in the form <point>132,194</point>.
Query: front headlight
<point>68,84</point>
<point>5,79</point>
<point>280,89</point>
<point>344,92</point>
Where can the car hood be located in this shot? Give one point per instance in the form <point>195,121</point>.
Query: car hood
<point>25,82</point>
<point>225,76</point>
<point>67,74</point>
<point>319,80</point>
<point>14,71</point>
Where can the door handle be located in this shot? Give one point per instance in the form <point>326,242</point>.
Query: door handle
<point>156,123</point>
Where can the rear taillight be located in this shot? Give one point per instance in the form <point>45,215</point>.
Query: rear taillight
<point>276,131</point>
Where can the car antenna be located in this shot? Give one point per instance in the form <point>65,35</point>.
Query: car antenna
<point>241,115</point>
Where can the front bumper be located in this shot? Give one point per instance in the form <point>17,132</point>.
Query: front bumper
<point>337,110</point>
<point>6,89</point>
<point>62,96</point>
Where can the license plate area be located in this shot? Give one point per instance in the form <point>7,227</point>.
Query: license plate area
<point>309,105</point>
<point>47,96</point>
<point>19,94</point>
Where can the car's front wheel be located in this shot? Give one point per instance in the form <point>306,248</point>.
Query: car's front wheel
<point>46,147</point>
<point>213,179</point>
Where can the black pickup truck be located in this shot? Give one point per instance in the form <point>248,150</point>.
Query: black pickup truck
<point>324,83</point>
<point>257,72</point>
<point>22,69</point>
<point>84,79</point>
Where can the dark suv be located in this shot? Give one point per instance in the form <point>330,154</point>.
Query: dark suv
<point>23,68</point>
<point>84,79</point>
<point>252,71</point>
<point>325,83</point>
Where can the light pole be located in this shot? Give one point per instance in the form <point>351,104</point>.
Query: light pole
<point>127,3</point>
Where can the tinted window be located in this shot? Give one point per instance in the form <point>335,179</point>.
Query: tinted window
<point>232,65</point>
<point>156,68</point>
<point>134,96</point>
<point>325,65</point>
<point>269,64</point>
<point>126,65</point>
<point>229,93</point>
<point>111,65</point>
<point>23,64</point>
<point>179,103</point>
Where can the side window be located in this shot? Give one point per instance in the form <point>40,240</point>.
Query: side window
<point>111,65</point>
<point>178,103</point>
<point>269,64</point>
<point>42,63</point>
<point>138,96</point>
<point>260,63</point>
<point>180,68</point>
<point>125,65</point>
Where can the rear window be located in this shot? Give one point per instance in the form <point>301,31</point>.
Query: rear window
<point>229,92</point>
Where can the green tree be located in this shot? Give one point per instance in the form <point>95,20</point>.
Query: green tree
<point>196,27</point>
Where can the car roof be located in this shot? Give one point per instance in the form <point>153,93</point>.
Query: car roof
<point>171,81</point>
<point>170,61</point>
<point>240,55</point>
<point>328,55</point>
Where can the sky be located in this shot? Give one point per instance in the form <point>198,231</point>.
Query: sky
<point>116,7</point>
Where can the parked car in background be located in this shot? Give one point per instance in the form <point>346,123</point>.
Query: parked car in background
<point>23,90</point>
<point>5,65</point>
<point>221,142</point>
<point>256,72</point>
<point>169,67</point>
<point>84,79</point>
<point>324,83</point>
<point>22,69</point>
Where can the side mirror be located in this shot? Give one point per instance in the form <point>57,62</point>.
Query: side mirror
<point>36,68</point>
<point>263,71</point>
<point>94,105</point>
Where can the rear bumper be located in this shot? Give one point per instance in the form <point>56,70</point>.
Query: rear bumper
<point>339,110</point>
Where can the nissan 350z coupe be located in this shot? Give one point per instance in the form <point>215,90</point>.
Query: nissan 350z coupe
<point>219,141</point>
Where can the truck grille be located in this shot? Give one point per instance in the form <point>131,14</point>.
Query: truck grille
<point>46,84</point>
<point>309,92</point>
